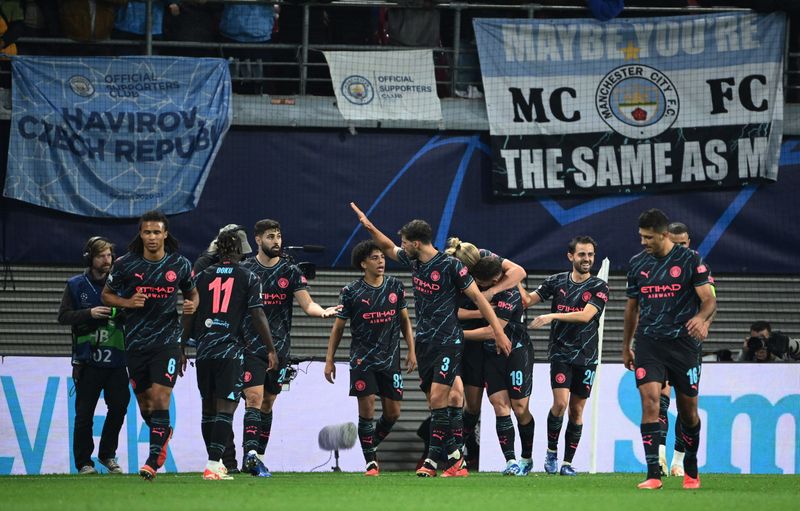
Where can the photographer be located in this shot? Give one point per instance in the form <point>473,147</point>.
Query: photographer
<point>766,345</point>
<point>98,357</point>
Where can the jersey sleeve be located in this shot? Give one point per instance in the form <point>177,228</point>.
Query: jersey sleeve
<point>701,274</point>
<point>599,296</point>
<point>346,301</point>
<point>187,281</point>
<point>254,294</point>
<point>116,277</point>
<point>632,288</point>
<point>299,281</point>
<point>402,257</point>
<point>505,304</point>
<point>546,288</point>
<point>461,276</point>
<point>401,296</point>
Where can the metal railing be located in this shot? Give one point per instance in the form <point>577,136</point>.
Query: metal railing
<point>451,66</point>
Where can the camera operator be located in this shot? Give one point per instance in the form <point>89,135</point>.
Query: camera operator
<point>98,357</point>
<point>766,345</point>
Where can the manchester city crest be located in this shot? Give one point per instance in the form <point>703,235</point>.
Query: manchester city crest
<point>637,101</point>
<point>358,90</point>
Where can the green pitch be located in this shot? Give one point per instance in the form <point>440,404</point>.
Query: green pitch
<point>398,490</point>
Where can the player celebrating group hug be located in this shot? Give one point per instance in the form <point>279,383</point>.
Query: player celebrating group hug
<point>470,335</point>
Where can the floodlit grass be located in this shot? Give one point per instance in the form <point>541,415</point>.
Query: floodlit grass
<point>397,490</point>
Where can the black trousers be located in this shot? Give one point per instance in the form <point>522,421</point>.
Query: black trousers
<point>114,385</point>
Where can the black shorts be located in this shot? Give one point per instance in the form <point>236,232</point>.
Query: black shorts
<point>274,380</point>
<point>220,378</point>
<point>472,362</point>
<point>676,360</point>
<point>438,364</point>
<point>513,373</point>
<point>578,379</point>
<point>147,368</point>
<point>387,383</point>
<point>254,371</point>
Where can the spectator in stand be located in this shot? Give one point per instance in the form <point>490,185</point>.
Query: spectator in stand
<point>12,27</point>
<point>41,20</point>
<point>131,23</point>
<point>289,30</point>
<point>193,21</point>
<point>414,23</point>
<point>89,21</point>
<point>248,23</point>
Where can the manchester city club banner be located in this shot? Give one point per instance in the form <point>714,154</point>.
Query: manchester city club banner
<point>385,85</point>
<point>646,104</point>
<point>115,137</point>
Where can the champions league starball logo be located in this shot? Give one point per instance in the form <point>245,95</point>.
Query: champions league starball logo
<point>637,101</point>
<point>358,90</point>
<point>81,86</point>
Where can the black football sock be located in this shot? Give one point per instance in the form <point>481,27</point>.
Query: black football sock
<point>526,438</point>
<point>382,429</point>
<point>252,429</point>
<point>366,436</point>
<point>266,429</point>
<point>457,426</point>
<point>691,441</point>
<point>223,428</point>
<point>679,445</point>
<point>159,435</point>
<point>650,432</point>
<point>440,429</point>
<point>206,425</point>
<point>663,419</point>
<point>505,435</point>
<point>470,439</point>
<point>553,430</point>
<point>571,439</point>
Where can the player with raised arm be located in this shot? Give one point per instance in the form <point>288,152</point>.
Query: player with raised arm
<point>375,304</point>
<point>437,279</point>
<point>227,293</point>
<point>282,284</point>
<point>578,299</point>
<point>145,282</point>
<point>669,308</point>
<point>508,379</point>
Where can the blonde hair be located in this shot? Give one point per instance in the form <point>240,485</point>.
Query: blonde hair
<point>465,252</point>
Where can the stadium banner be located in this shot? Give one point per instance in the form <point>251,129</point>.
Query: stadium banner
<point>647,104</point>
<point>748,426</point>
<point>37,411</point>
<point>115,137</point>
<point>385,85</point>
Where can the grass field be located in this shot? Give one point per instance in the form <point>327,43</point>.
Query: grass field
<point>399,490</point>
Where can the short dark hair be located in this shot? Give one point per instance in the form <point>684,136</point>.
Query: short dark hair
<point>678,228</point>
<point>573,243</point>
<point>229,246</point>
<point>361,252</point>
<point>417,230</point>
<point>654,219</point>
<point>170,243</point>
<point>265,225</point>
<point>487,268</point>
<point>761,325</point>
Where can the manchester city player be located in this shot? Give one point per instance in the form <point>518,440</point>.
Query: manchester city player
<point>145,281</point>
<point>670,305</point>
<point>437,279</point>
<point>375,304</point>
<point>227,292</point>
<point>578,300</point>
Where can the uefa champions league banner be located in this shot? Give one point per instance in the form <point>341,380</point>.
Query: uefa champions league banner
<point>749,425</point>
<point>37,413</point>
<point>385,85</point>
<point>585,107</point>
<point>115,137</point>
<point>750,416</point>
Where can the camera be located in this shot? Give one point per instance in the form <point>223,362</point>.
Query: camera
<point>778,345</point>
